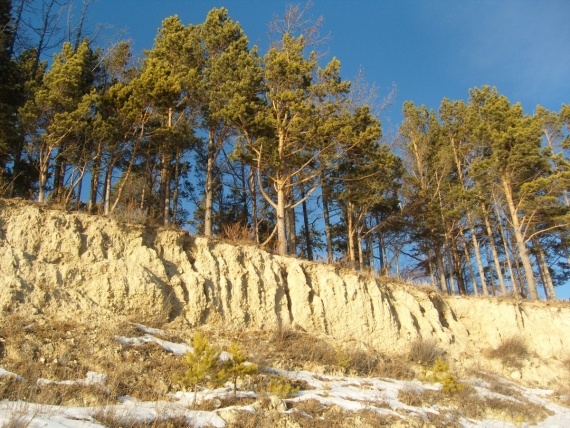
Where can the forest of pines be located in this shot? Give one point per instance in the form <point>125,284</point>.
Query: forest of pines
<point>203,131</point>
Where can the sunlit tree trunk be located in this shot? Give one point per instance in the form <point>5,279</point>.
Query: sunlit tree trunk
<point>327,221</point>
<point>468,262</point>
<point>496,260</point>
<point>518,235</point>
<point>544,272</point>
<point>441,269</point>
<point>307,227</point>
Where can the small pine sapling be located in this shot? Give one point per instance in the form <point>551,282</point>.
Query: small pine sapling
<point>281,387</point>
<point>201,365</point>
<point>237,366</point>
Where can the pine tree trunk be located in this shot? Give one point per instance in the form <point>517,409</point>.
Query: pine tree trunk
<point>495,255</point>
<point>432,268</point>
<point>59,175</point>
<point>381,258</point>
<point>457,267</point>
<point>307,229</point>
<point>281,232</point>
<point>544,271</point>
<point>17,168</point>
<point>477,251</point>
<point>518,234</point>
<point>516,289</point>
<point>176,192</point>
<point>361,263</point>
<point>95,172</point>
<point>518,271</point>
<point>452,278</point>
<point>165,190</point>
<point>469,265</point>
<point>107,201</point>
<point>253,196</point>
<point>441,269</point>
<point>351,233</point>
<point>209,196</point>
<point>327,220</point>
<point>291,227</point>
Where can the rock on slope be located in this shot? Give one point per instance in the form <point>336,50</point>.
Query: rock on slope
<point>87,267</point>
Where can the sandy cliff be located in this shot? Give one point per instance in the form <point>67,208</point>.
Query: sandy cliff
<point>91,268</point>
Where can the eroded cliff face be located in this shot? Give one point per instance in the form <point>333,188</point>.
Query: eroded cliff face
<point>90,268</point>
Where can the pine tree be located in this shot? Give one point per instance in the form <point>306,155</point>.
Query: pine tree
<point>237,366</point>
<point>202,364</point>
<point>228,83</point>
<point>514,165</point>
<point>58,108</point>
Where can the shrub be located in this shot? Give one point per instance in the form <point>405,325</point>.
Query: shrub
<point>202,365</point>
<point>512,351</point>
<point>413,396</point>
<point>236,366</point>
<point>424,352</point>
<point>281,387</point>
<point>448,381</point>
<point>237,232</point>
<point>343,359</point>
<point>130,214</point>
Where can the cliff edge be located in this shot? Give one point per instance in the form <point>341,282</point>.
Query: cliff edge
<point>89,268</point>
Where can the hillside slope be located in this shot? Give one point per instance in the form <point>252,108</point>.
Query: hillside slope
<point>81,267</point>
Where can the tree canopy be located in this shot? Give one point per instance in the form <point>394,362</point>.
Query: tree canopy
<point>277,148</point>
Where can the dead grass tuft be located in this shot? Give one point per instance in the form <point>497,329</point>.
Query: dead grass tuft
<point>566,363</point>
<point>238,233</point>
<point>221,402</point>
<point>130,214</point>
<point>368,363</point>
<point>20,416</point>
<point>425,352</point>
<point>312,407</point>
<point>245,419</point>
<point>417,396</point>
<point>509,410</point>
<point>302,347</point>
<point>512,351</point>
<point>112,417</point>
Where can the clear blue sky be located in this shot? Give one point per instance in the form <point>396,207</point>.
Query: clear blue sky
<point>429,49</point>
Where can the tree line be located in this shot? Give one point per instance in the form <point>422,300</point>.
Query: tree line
<point>205,130</point>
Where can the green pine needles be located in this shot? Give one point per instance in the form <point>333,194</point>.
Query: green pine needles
<point>205,367</point>
<point>237,366</point>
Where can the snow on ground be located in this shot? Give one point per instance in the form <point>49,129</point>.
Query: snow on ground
<point>349,393</point>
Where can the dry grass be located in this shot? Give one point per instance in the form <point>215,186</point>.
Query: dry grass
<point>509,410</point>
<point>566,363</point>
<point>295,350</point>
<point>20,416</point>
<point>417,397</point>
<point>467,403</point>
<point>130,215</point>
<point>245,419</point>
<point>221,402</point>
<point>67,350</point>
<point>512,351</point>
<point>500,386</point>
<point>425,352</point>
<point>303,347</point>
<point>238,233</point>
<point>309,414</point>
<point>111,417</point>
<point>369,363</point>
<point>312,407</point>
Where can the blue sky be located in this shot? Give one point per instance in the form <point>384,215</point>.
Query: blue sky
<point>429,49</point>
